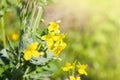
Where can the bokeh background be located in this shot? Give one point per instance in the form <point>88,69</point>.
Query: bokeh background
<point>92,29</point>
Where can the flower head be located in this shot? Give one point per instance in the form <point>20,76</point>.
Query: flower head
<point>59,37</point>
<point>68,66</point>
<point>33,46</point>
<point>50,40</point>
<point>59,47</point>
<point>47,37</point>
<point>14,36</point>
<point>53,26</point>
<point>31,51</point>
<point>81,69</point>
<point>74,78</point>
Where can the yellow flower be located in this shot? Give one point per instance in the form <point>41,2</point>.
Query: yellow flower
<point>59,37</point>
<point>50,40</point>
<point>31,51</point>
<point>67,67</point>
<point>47,37</point>
<point>14,36</point>
<point>78,78</point>
<point>53,26</point>
<point>58,48</point>
<point>54,40</point>
<point>81,69</point>
<point>74,78</point>
<point>35,53</point>
<point>33,46</point>
<point>27,54</point>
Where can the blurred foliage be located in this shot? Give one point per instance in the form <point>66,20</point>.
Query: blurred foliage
<point>97,43</point>
<point>98,47</point>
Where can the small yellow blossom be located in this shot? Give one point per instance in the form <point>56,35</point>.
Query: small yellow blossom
<point>59,47</point>
<point>27,55</point>
<point>81,69</point>
<point>59,37</point>
<point>78,78</point>
<point>14,36</point>
<point>47,37</point>
<point>50,40</point>
<point>53,26</point>
<point>67,67</point>
<point>50,44</point>
<point>74,78</point>
<point>57,51</point>
<point>35,53</point>
<point>33,46</point>
<point>31,51</point>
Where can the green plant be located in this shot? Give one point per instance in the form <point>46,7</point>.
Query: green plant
<point>38,48</point>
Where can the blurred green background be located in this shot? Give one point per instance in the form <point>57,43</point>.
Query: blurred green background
<point>92,29</point>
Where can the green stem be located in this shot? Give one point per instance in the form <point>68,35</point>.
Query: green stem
<point>33,14</point>
<point>74,64</point>
<point>39,15</point>
<point>25,74</point>
<point>3,31</point>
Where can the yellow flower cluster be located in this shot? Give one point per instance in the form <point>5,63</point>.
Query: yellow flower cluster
<point>31,51</point>
<point>80,69</point>
<point>54,39</point>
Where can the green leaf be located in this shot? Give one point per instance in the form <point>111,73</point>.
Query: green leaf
<point>41,32</point>
<point>4,58</point>
<point>21,43</point>
<point>13,74</point>
<point>43,3</point>
<point>42,60</point>
<point>1,70</point>
<point>42,72</point>
<point>16,73</point>
<point>1,13</point>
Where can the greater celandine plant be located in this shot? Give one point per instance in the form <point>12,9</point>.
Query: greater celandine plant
<point>37,47</point>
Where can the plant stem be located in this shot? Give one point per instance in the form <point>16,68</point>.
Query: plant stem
<point>3,31</point>
<point>25,73</point>
<point>38,17</point>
